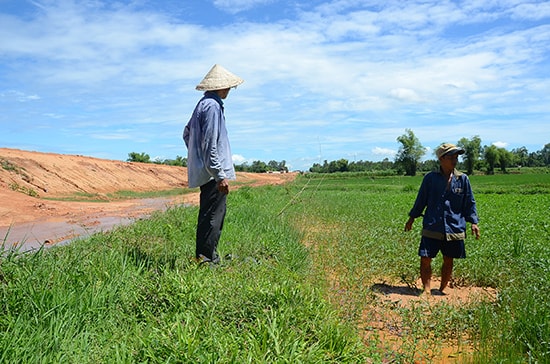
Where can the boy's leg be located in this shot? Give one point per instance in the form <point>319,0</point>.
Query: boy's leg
<point>451,250</point>
<point>426,273</point>
<point>427,250</point>
<point>446,272</point>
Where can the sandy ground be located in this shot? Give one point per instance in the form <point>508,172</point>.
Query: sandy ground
<point>31,181</point>
<point>382,320</point>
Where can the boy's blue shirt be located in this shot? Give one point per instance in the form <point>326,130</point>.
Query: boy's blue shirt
<point>446,211</point>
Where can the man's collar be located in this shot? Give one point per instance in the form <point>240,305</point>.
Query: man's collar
<point>456,172</point>
<point>214,95</point>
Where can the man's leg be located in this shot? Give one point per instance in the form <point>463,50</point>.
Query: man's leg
<point>446,272</point>
<point>426,273</point>
<point>210,221</point>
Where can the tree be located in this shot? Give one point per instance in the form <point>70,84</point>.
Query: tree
<point>179,161</point>
<point>277,166</point>
<point>340,165</point>
<point>139,157</point>
<point>409,153</point>
<point>490,154</point>
<point>545,153</point>
<point>472,149</point>
<point>505,159</point>
<point>258,167</point>
<point>386,164</point>
<point>521,156</point>
<point>429,165</point>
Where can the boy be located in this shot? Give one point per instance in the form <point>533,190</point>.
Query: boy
<point>447,196</point>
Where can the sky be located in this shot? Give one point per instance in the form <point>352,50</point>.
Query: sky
<point>324,80</point>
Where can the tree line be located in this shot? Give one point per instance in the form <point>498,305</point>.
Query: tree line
<point>146,158</point>
<point>407,161</point>
<point>255,166</point>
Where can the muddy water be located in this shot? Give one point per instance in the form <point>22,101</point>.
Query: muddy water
<point>35,235</point>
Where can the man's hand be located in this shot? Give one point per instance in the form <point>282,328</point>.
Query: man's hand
<point>223,186</point>
<point>475,231</point>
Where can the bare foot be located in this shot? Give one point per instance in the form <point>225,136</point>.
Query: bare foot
<point>424,293</point>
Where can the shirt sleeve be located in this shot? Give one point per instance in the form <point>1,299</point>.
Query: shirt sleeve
<point>469,210</point>
<point>212,121</point>
<point>186,135</point>
<point>421,199</point>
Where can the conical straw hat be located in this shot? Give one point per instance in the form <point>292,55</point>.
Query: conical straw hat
<point>218,78</point>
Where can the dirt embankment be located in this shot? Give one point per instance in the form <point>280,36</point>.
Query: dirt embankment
<point>29,180</point>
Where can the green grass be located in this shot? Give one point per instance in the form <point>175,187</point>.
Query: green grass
<point>134,295</point>
<point>14,186</point>
<point>299,286</point>
<point>121,195</point>
<point>364,242</point>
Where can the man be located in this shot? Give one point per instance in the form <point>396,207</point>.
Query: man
<point>449,201</point>
<point>209,159</point>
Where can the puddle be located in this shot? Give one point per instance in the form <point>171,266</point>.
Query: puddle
<point>27,237</point>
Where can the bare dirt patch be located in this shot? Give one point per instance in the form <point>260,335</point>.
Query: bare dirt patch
<point>404,296</point>
<point>380,318</point>
<point>31,181</point>
<point>382,321</point>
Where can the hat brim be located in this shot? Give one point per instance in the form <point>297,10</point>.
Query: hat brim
<point>458,151</point>
<point>218,78</point>
<point>218,86</point>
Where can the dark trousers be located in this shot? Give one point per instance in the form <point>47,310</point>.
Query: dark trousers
<point>210,221</point>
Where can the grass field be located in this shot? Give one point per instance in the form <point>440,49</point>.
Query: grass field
<point>298,287</point>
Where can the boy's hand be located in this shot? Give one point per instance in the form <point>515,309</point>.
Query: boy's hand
<point>475,231</point>
<point>409,224</point>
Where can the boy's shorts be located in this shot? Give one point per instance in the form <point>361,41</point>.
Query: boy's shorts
<point>430,247</point>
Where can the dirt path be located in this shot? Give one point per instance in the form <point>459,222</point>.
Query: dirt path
<point>29,181</point>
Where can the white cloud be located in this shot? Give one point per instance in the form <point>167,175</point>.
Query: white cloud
<point>346,75</point>
<point>385,152</point>
<point>404,94</point>
<point>500,144</point>
<point>112,136</point>
<point>18,96</point>
<point>236,6</point>
<point>238,159</point>
<point>532,11</point>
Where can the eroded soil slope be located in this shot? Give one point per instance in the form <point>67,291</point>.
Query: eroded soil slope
<point>29,179</point>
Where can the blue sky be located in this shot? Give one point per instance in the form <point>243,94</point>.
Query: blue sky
<point>324,80</point>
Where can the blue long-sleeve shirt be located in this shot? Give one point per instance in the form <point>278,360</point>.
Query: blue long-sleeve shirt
<point>205,135</point>
<point>447,210</point>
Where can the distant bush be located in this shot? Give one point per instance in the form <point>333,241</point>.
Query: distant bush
<point>145,158</point>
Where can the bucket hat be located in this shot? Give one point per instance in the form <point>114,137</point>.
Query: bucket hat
<point>218,78</point>
<point>448,149</point>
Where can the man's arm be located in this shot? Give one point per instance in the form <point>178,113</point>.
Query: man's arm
<point>211,130</point>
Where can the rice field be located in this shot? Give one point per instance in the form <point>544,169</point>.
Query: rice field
<point>297,284</point>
